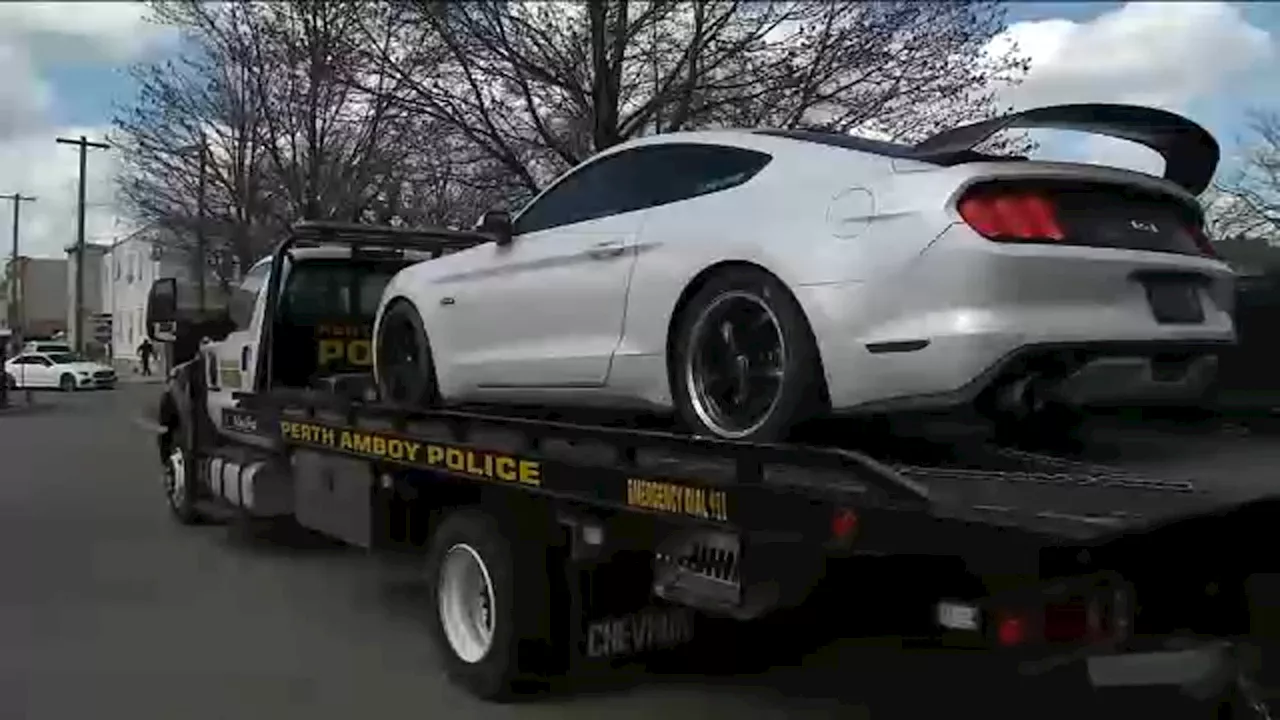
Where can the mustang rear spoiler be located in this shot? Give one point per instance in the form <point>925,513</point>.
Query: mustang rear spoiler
<point>1190,153</point>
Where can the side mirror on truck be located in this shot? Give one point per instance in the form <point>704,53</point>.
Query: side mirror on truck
<point>496,224</point>
<point>162,310</point>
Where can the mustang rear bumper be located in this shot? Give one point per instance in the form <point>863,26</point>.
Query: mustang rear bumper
<point>1202,671</point>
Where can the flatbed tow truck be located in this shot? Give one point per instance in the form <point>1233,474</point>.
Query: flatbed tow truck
<point>554,546</point>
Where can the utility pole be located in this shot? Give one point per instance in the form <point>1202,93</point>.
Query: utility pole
<point>84,144</point>
<point>15,316</point>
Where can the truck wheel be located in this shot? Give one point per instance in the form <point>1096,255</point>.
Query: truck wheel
<point>492,614</point>
<point>179,485</point>
<point>405,372</point>
<point>67,383</point>
<point>745,365</point>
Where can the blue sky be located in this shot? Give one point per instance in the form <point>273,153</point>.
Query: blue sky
<point>66,68</point>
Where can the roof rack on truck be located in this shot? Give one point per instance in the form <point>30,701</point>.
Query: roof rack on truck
<point>433,240</point>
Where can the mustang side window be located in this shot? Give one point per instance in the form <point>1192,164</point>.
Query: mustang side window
<point>687,170</point>
<point>603,188</point>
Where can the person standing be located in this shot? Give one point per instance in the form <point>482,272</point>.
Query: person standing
<point>145,351</point>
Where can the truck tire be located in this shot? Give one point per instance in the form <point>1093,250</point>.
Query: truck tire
<point>405,370</point>
<point>492,600</point>
<point>179,478</point>
<point>743,327</point>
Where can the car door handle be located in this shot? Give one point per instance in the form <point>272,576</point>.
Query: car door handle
<point>606,250</point>
<point>244,359</point>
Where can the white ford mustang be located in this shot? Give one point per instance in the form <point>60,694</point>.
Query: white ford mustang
<point>747,280</point>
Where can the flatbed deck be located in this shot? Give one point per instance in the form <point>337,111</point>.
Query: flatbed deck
<point>1123,476</point>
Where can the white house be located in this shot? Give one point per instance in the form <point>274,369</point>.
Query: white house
<point>131,265</point>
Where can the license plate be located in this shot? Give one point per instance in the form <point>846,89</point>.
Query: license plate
<point>958,616</point>
<point>1175,302</point>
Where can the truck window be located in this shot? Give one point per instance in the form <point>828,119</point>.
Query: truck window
<point>244,297</point>
<point>324,292</point>
<point>326,316</point>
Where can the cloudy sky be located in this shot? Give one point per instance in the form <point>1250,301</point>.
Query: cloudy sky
<point>66,68</point>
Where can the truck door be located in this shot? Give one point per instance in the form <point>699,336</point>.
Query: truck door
<point>231,364</point>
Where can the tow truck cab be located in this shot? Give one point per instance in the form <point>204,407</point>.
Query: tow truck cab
<point>321,322</point>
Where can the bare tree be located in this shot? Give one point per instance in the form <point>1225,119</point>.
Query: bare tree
<point>332,147</point>
<point>1248,203</point>
<point>534,88</point>
<point>423,111</point>
<point>260,89</point>
<point>198,109</point>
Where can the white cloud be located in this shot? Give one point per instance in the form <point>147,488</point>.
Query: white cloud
<point>1147,53</point>
<point>65,31</point>
<point>33,35</point>
<point>37,165</point>
<point>1160,54</point>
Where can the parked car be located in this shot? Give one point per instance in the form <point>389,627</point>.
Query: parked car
<point>65,371</point>
<point>751,279</point>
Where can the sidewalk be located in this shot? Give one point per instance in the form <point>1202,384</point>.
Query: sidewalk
<point>129,372</point>
<point>133,377</point>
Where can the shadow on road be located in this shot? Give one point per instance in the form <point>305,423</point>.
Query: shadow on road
<point>281,538</point>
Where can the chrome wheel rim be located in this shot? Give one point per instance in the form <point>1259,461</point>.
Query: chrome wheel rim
<point>466,603</point>
<point>734,368</point>
<point>175,480</point>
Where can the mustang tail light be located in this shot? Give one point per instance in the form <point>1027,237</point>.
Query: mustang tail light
<point>1202,240</point>
<point>1079,620</point>
<point>1006,215</point>
<point>1084,214</point>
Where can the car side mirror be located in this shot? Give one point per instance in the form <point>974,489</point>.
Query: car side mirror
<point>162,308</point>
<point>497,225</point>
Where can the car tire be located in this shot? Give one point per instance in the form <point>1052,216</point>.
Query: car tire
<point>10,381</point>
<point>798,368</point>
<point>67,383</point>
<point>515,581</point>
<point>405,369</point>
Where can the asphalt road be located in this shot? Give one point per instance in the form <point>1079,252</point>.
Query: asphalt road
<point>110,609</point>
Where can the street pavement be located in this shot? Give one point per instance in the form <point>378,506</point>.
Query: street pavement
<point>109,609</point>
